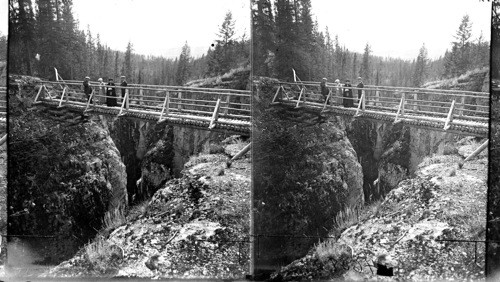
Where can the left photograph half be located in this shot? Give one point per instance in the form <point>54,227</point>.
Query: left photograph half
<point>129,139</point>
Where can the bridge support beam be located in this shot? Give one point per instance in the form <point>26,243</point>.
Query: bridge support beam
<point>449,119</point>
<point>239,154</point>
<point>477,151</point>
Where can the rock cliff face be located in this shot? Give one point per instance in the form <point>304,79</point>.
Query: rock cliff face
<point>304,174</point>
<point>391,153</point>
<point>195,226</point>
<point>442,201</point>
<point>154,153</point>
<point>65,178</point>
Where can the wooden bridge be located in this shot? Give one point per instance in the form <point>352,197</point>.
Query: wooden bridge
<point>454,111</point>
<point>224,110</point>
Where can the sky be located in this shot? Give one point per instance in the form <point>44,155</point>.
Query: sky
<point>160,27</point>
<point>398,28</point>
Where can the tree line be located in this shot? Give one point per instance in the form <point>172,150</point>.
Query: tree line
<point>44,34</point>
<point>285,37</point>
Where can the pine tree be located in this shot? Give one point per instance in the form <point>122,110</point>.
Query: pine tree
<point>128,62</point>
<point>263,37</point>
<point>183,68</point>
<point>421,66</point>
<point>364,71</point>
<point>117,54</point>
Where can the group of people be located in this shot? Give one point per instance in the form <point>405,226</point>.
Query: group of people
<point>108,90</point>
<point>342,90</point>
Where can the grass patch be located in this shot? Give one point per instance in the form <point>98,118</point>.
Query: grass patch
<point>331,250</point>
<point>102,255</point>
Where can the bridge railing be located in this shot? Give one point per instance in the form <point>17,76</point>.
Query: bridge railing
<point>154,99</point>
<point>399,100</point>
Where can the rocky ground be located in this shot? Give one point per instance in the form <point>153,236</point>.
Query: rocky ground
<point>443,201</point>
<point>196,226</point>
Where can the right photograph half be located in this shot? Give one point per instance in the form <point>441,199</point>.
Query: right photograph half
<point>370,139</point>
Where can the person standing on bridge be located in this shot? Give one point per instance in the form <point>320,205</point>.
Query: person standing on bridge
<point>324,89</point>
<point>359,86</point>
<point>124,84</point>
<point>111,94</point>
<point>338,88</point>
<point>86,88</point>
<point>348,98</point>
<point>102,91</point>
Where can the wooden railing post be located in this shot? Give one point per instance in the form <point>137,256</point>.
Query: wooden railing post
<point>215,115</point>
<point>166,104</point>
<point>179,105</point>
<point>363,101</point>
<point>62,97</point>
<point>300,96</point>
<point>276,95</point>
<point>37,95</point>
<point>90,99</point>
<point>399,112</point>
<point>377,98</point>
<point>449,119</point>
<point>462,106</point>
<point>228,101</point>
<point>127,98</point>
<point>141,94</point>
<point>360,104</point>
<point>327,98</point>
<point>403,103</point>
<point>123,104</point>
<point>415,98</point>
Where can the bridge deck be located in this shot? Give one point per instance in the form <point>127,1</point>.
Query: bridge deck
<point>425,108</point>
<point>211,109</point>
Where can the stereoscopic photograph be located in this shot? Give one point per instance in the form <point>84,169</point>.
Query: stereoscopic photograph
<point>265,140</point>
<point>370,139</point>
<point>129,139</point>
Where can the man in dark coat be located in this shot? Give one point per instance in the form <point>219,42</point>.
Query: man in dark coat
<point>324,89</point>
<point>349,102</point>
<point>111,94</point>
<point>86,88</point>
<point>124,84</point>
<point>359,86</point>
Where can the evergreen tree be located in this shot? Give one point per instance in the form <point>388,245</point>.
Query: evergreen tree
<point>421,65</point>
<point>364,71</point>
<point>116,74</point>
<point>128,61</point>
<point>183,68</point>
<point>223,57</point>
<point>263,37</point>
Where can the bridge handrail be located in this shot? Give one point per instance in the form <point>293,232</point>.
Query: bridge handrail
<point>152,87</point>
<point>379,87</point>
<point>482,95</point>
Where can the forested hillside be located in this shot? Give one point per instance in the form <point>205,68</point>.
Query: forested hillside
<point>44,34</point>
<point>285,37</point>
